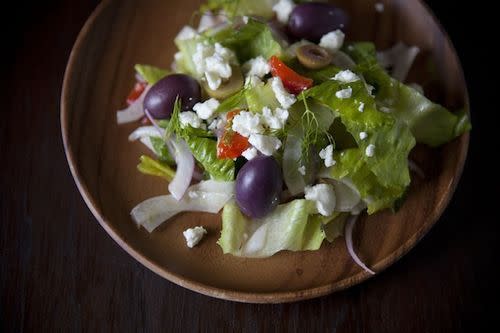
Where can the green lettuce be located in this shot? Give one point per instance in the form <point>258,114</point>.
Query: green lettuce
<point>161,150</point>
<point>149,166</point>
<point>263,8</point>
<point>430,123</point>
<point>187,47</point>
<point>249,41</point>
<point>288,227</point>
<point>381,179</point>
<point>150,73</point>
<point>204,151</point>
<point>235,101</point>
<point>259,96</point>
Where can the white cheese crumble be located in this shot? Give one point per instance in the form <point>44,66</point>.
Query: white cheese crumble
<point>379,7</point>
<point>286,99</point>
<point>276,119</point>
<point>332,41</point>
<point>363,135</point>
<point>370,150</point>
<point>326,154</point>
<point>190,118</point>
<point>369,89</point>
<point>302,170</point>
<point>194,235</point>
<point>214,62</point>
<point>258,67</point>
<point>283,9</point>
<point>218,123</point>
<point>250,153</point>
<point>361,107</point>
<point>206,109</point>
<point>247,123</point>
<point>324,197</point>
<point>344,93</point>
<point>267,145</point>
<point>346,76</point>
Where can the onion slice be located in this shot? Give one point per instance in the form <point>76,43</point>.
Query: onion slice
<point>207,196</point>
<point>134,111</point>
<point>415,168</point>
<point>350,248</point>
<point>185,167</point>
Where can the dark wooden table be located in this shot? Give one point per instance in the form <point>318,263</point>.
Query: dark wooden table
<point>60,272</point>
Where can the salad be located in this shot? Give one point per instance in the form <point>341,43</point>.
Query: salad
<point>271,117</point>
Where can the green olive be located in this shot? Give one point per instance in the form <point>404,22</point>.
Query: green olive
<point>228,88</point>
<point>313,56</point>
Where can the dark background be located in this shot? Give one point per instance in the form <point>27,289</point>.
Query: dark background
<point>59,270</point>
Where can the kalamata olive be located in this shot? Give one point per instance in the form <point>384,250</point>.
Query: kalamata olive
<point>313,56</point>
<point>160,99</point>
<point>314,19</point>
<point>226,89</point>
<point>258,186</point>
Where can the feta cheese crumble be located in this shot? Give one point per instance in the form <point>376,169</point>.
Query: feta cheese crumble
<point>332,41</point>
<point>194,235</point>
<point>283,9</point>
<point>258,67</point>
<point>276,119</point>
<point>346,76</point>
<point>214,62</point>
<point>190,118</point>
<point>249,153</point>
<point>217,123</point>
<point>361,107</point>
<point>363,135</point>
<point>302,170</point>
<point>286,99</point>
<point>326,154</point>
<point>267,145</point>
<point>186,32</point>
<point>206,109</point>
<point>344,93</point>
<point>324,197</point>
<point>370,150</point>
<point>246,123</point>
<point>379,7</point>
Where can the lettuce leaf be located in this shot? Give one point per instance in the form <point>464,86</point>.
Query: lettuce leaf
<point>381,179</point>
<point>187,47</point>
<point>205,152</point>
<point>263,8</point>
<point>161,151</point>
<point>235,101</point>
<point>148,166</point>
<point>249,41</point>
<point>288,227</point>
<point>430,123</point>
<point>150,73</point>
<point>259,96</point>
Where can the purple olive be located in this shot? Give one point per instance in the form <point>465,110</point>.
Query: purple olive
<point>160,99</point>
<point>314,19</point>
<point>258,186</point>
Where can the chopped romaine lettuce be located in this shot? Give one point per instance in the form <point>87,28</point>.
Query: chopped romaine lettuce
<point>160,149</point>
<point>379,166</point>
<point>249,41</point>
<point>185,64</point>
<point>288,227</point>
<point>205,151</point>
<point>235,101</point>
<point>259,96</point>
<point>150,73</point>
<point>263,8</point>
<point>148,166</point>
<point>429,122</point>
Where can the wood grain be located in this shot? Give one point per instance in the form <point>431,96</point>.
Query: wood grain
<point>98,76</point>
<point>59,272</point>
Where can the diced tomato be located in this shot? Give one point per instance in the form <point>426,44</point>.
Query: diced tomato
<point>292,81</point>
<point>136,92</point>
<point>231,144</point>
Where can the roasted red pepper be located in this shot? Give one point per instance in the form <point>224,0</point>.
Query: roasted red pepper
<point>231,144</point>
<point>292,81</point>
<point>136,92</point>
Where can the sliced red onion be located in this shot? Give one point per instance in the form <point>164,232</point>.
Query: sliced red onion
<point>350,248</point>
<point>415,168</point>
<point>185,167</point>
<point>139,78</point>
<point>134,111</point>
<point>143,131</point>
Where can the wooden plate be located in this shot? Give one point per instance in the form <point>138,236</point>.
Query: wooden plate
<point>98,77</point>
